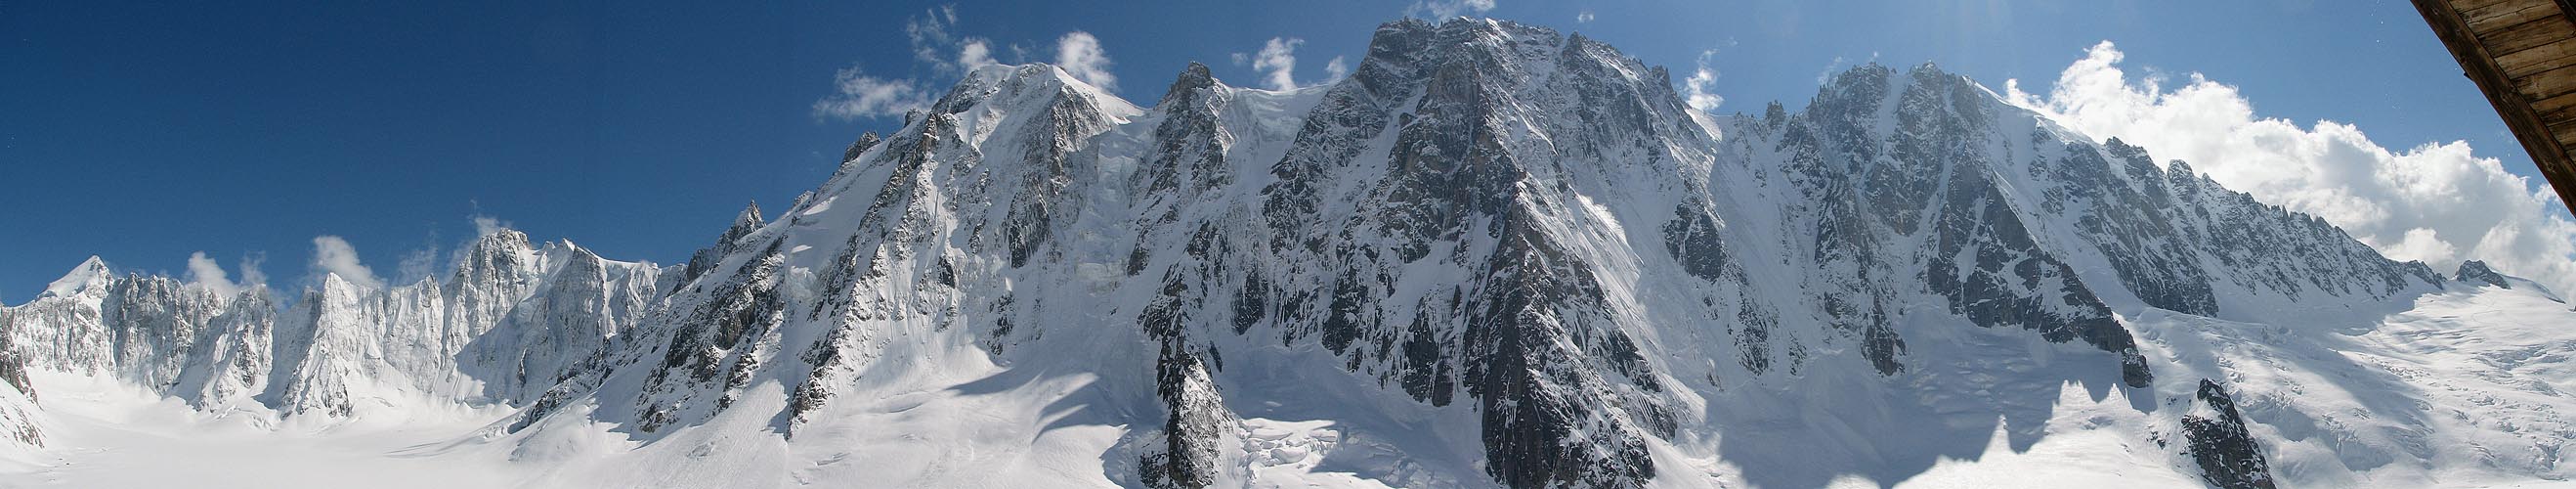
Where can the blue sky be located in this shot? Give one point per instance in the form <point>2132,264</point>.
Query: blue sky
<point>144,132</point>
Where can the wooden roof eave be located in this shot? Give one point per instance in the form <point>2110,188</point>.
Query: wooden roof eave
<point>2531,29</point>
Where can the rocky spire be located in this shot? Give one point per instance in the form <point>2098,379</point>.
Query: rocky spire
<point>866,140</point>
<point>2215,437</point>
<point>2475,271</point>
<point>705,259</point>
<point>743,224</point>
<point>1191,80</point>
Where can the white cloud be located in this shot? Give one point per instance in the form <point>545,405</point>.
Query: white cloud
<point>2423,244</point>
<point>930,36</point>
<point>857,95</point>
<point>204,272</point>
<point>947,55</point>
<point>486,225</point>
<point>2435,202</point>
<point>1334,70</point>
<point>1080,55</point>
<point>250,273</point>
<point>1240,59</point>
<point>1827,76</point>
<point>332,255</point>
<point>418,265</point>
<point>1584,17</point>
<point>934,44</point>
<point>1278,62</point>
<point>976,53</point>
<point>1695,90</point>
<point>1446,9</point>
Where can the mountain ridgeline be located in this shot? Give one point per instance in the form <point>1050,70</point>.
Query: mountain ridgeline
<point>1495,254</point>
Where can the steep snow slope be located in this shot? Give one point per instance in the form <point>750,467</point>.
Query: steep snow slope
<point>1495,255</point>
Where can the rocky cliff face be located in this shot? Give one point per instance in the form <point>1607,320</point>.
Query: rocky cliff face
<point>2215,437</point>
<point>19,413</point>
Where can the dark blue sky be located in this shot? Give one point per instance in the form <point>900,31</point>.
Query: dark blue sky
<point>142,132</point>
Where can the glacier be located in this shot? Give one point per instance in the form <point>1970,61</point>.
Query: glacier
<point>1495,255</point>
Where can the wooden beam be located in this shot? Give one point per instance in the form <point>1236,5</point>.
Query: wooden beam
<point>2507,14</point>
<point>2503,40</point>
<point>2547,57</point>
<point>2480,66</point>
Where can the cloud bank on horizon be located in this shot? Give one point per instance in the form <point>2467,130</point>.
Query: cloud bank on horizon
<point>2435,202</point>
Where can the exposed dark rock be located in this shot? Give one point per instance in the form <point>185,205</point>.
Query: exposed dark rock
<point>13,363</point>
<point>866,140</point>
<point>713,354</point>
<point>1537,435</point>
<point>707,259</point>
<point>2475,271</point>
<point>2228,456</point>
<point>1691,237</point>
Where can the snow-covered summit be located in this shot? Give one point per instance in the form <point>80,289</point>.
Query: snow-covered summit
<point>91,275</point>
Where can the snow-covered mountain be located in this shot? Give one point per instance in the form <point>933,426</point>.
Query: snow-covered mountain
<point>1495,255</point>
<point>510,323</point>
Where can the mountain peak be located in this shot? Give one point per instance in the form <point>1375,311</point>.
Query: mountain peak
<point>1192,79</point>
<point>866,140</point>
<point>1039,76</point>
<point>91,274</point>
<point>2476,271</point>
<point>995,95</point>
<point>744,224</point>
<point>750,214</point>
<point>331,282</point>
<point>500,255</point>
<point>502,236</point>
<point>501,241</point>
<point>1405,38</point>
<point>1869,79</point>
<point>2181,169</point>
<point>1404,24</point>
